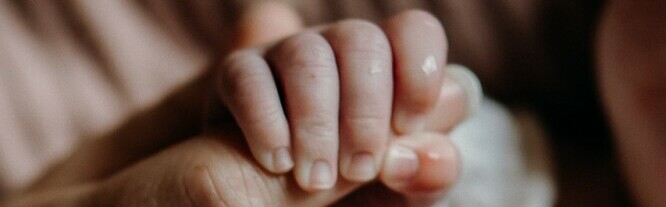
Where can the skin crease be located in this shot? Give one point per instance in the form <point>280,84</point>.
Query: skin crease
<point>632,70</point>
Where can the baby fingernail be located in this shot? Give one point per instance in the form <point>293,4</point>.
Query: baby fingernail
<point>282,161</point>
<point>361,167</point>
<point>470,84</point>
<point>408,122</point>
<point>401,164</point>
<point>321,176</point>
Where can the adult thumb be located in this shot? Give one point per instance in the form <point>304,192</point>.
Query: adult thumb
<point>265,22</point>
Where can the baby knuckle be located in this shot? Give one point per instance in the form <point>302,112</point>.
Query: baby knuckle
<point>239,60</point>
<point>317,128</point>
<point>241,70</point>
<point>307,50</point>
<point>271,115</point>
<point>360,36</point>
<point>357,27</point>
<point>369,131</point>
<point>365,122</point>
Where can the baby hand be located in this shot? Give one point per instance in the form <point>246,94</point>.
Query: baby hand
<point>332,96</point>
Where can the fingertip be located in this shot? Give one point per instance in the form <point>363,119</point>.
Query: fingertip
<point>360,167</point>
<point>424,164</point>
<point>470,84</point>
<point>317,175</point>
<point>400,167</point>
<point>276,160</point>
<point>460,97</point>
<point>282,160</point>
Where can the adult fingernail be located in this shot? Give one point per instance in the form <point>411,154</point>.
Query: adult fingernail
<point>407,122</point>
<point>282,161</point>
<point>321,177</point>
<point>401,164</point>
<point>470,83</point>
<point>361,167</point>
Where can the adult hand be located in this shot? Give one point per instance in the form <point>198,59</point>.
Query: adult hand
<point>217,170</point>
